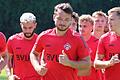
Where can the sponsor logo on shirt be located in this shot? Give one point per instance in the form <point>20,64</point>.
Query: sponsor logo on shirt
<point>47,45</point>
<point>52,57</point>
<point>111,45</point>
<point>18,47</point>
<point>67,46</point>
<point>22,57</point>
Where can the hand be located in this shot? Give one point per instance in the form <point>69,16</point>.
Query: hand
<point>114,60</point>
<point>42,70</point>
<point>13,77</point>
<point>1,59</point>
<point>63,59</point>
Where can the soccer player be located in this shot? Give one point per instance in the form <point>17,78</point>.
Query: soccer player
<point>63,49</point>
<point>100,23</point>
<point>108,47</point>
<point>74,24</point>
<point>85,28</point>
<point>19,47</point>
<point>3,55</point>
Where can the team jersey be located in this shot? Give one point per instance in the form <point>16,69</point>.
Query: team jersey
<point>109,45</point>
<point>2,49</point>
<point>92,44</point>
<point>53,45</point>
<point>2,42</point>
<point>20,48</point>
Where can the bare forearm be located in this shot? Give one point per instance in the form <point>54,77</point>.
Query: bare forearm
<point>34,59</point>
<point>8,70</point>
<point>84,72</point>
<point>81,65</point>
<point>3,62</point>
<point>102,64</point>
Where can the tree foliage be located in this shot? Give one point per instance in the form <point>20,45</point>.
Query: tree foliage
<point>11,10</point>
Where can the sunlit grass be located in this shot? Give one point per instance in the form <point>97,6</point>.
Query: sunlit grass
<point>3,75</point>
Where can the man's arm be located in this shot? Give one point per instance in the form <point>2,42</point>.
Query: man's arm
<point>34,58</point>
<point>9,66</point>
<point>9,69</point>
<point>100,64</point>
<point>83,66</point>
<point>3,60</point>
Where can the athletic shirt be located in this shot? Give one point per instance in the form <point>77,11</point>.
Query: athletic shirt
<point>53,45</point>
<point>92,44</point>
<point>2,42</point>
<point>109,45</point>
<point>20,48</point>
<point>2,48</point>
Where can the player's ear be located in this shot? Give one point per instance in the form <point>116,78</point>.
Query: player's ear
<point>21,24</point>
<point>53,17</point>
<point>35,24</point>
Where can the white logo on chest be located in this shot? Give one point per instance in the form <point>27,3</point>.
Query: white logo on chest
<point>67,46</point>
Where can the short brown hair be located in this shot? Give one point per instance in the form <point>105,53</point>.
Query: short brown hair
<point>66,7</point>
<point>115,9</point>
<point>75,16</point>
<point>86,17</point>
<point>99,13</point>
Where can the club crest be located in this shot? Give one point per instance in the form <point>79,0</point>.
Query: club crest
<point>67,46</point>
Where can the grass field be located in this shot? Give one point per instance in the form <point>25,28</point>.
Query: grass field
<point>3,75</point>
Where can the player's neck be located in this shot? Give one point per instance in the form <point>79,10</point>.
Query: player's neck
<point>60,33</point>
<point>97,34</point>
<point>87,37</point>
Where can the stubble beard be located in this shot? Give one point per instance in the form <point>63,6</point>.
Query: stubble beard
<point>25,34</point>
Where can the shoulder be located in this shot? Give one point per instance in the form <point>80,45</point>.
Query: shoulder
<point>73,33</point>
<point>2,36</point>
<point>44,33</point>
<point>77,36</point>
<point>106,35</point>
<point>15,36</point>
<point>93,38</point>
<point>35,35</point>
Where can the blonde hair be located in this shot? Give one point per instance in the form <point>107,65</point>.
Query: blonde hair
<point>86,17</point>
<point>99,13</point>
<point>115,9</point>
<point>27,17</point>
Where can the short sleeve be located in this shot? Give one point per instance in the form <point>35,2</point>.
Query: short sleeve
<point>83,50</point>
<point>2,42</point>
<point>101,48</point>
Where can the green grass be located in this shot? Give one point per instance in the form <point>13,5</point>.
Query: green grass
<point>3,75</point>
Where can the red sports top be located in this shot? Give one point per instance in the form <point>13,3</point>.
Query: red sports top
<point>53,45</point>
<point>20,48</point>
<point>109,45</point>
<point>95,74</point>
<point>2,42</point>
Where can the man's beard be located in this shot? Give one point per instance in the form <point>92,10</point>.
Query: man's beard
<point>62,29</point>
<point>28,36</point>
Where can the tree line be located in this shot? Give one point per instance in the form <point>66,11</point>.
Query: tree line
<point>11,10</point>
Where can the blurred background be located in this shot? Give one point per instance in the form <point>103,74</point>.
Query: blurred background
<point>11,10</point>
